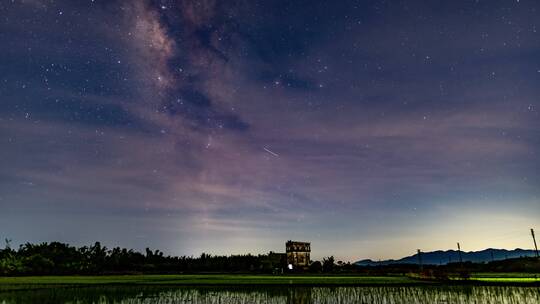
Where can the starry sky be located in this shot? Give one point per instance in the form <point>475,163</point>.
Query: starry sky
<point>370,128</point>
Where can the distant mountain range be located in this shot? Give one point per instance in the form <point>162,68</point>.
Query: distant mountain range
<point>451,256</point>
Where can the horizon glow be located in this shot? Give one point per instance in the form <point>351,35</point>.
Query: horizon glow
<point>369,129</point>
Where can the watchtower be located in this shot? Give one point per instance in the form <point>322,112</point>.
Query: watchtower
<point>297,254</point>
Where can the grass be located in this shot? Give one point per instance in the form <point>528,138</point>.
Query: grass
<point>210,280</point>
<point>507,280</point>
<point>10,283</point>
<point>502,278</point>
<point>508,277</point>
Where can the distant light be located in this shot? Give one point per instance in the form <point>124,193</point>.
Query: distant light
<point>290,266</point>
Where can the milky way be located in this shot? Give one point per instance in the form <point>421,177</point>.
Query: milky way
<point>370,128</point>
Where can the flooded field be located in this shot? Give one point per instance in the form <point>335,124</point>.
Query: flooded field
<point>274,295</point>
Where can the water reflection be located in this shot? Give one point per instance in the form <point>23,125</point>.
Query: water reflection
<point>274,295</point>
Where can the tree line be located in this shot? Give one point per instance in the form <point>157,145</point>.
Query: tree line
<point>56,258</point>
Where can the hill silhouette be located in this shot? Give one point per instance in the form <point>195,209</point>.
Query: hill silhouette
<point>441,257</point>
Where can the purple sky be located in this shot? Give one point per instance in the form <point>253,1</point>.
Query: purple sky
<point>370,128</point>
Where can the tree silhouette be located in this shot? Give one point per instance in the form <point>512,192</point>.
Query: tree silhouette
<point>328,264</point>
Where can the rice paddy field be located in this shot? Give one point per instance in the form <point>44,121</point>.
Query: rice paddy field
<point>262,289</point>
<point>10,282</point>
<point>238,279</point>
<point>273,294</point>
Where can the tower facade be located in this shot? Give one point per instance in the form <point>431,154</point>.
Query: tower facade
<point>297,254</point>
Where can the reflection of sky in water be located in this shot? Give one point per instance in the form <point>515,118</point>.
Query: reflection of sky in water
<point>371,295</point>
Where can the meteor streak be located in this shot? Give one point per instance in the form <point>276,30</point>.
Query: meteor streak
<point>271,152</point>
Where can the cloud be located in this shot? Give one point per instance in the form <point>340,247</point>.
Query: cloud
<point>157,118</point>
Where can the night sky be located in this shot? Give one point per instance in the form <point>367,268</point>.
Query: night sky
<point>370,128</point>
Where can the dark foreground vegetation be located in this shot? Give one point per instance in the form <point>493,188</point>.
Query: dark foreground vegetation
<point>62,259</point>
<point>518,267</point>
